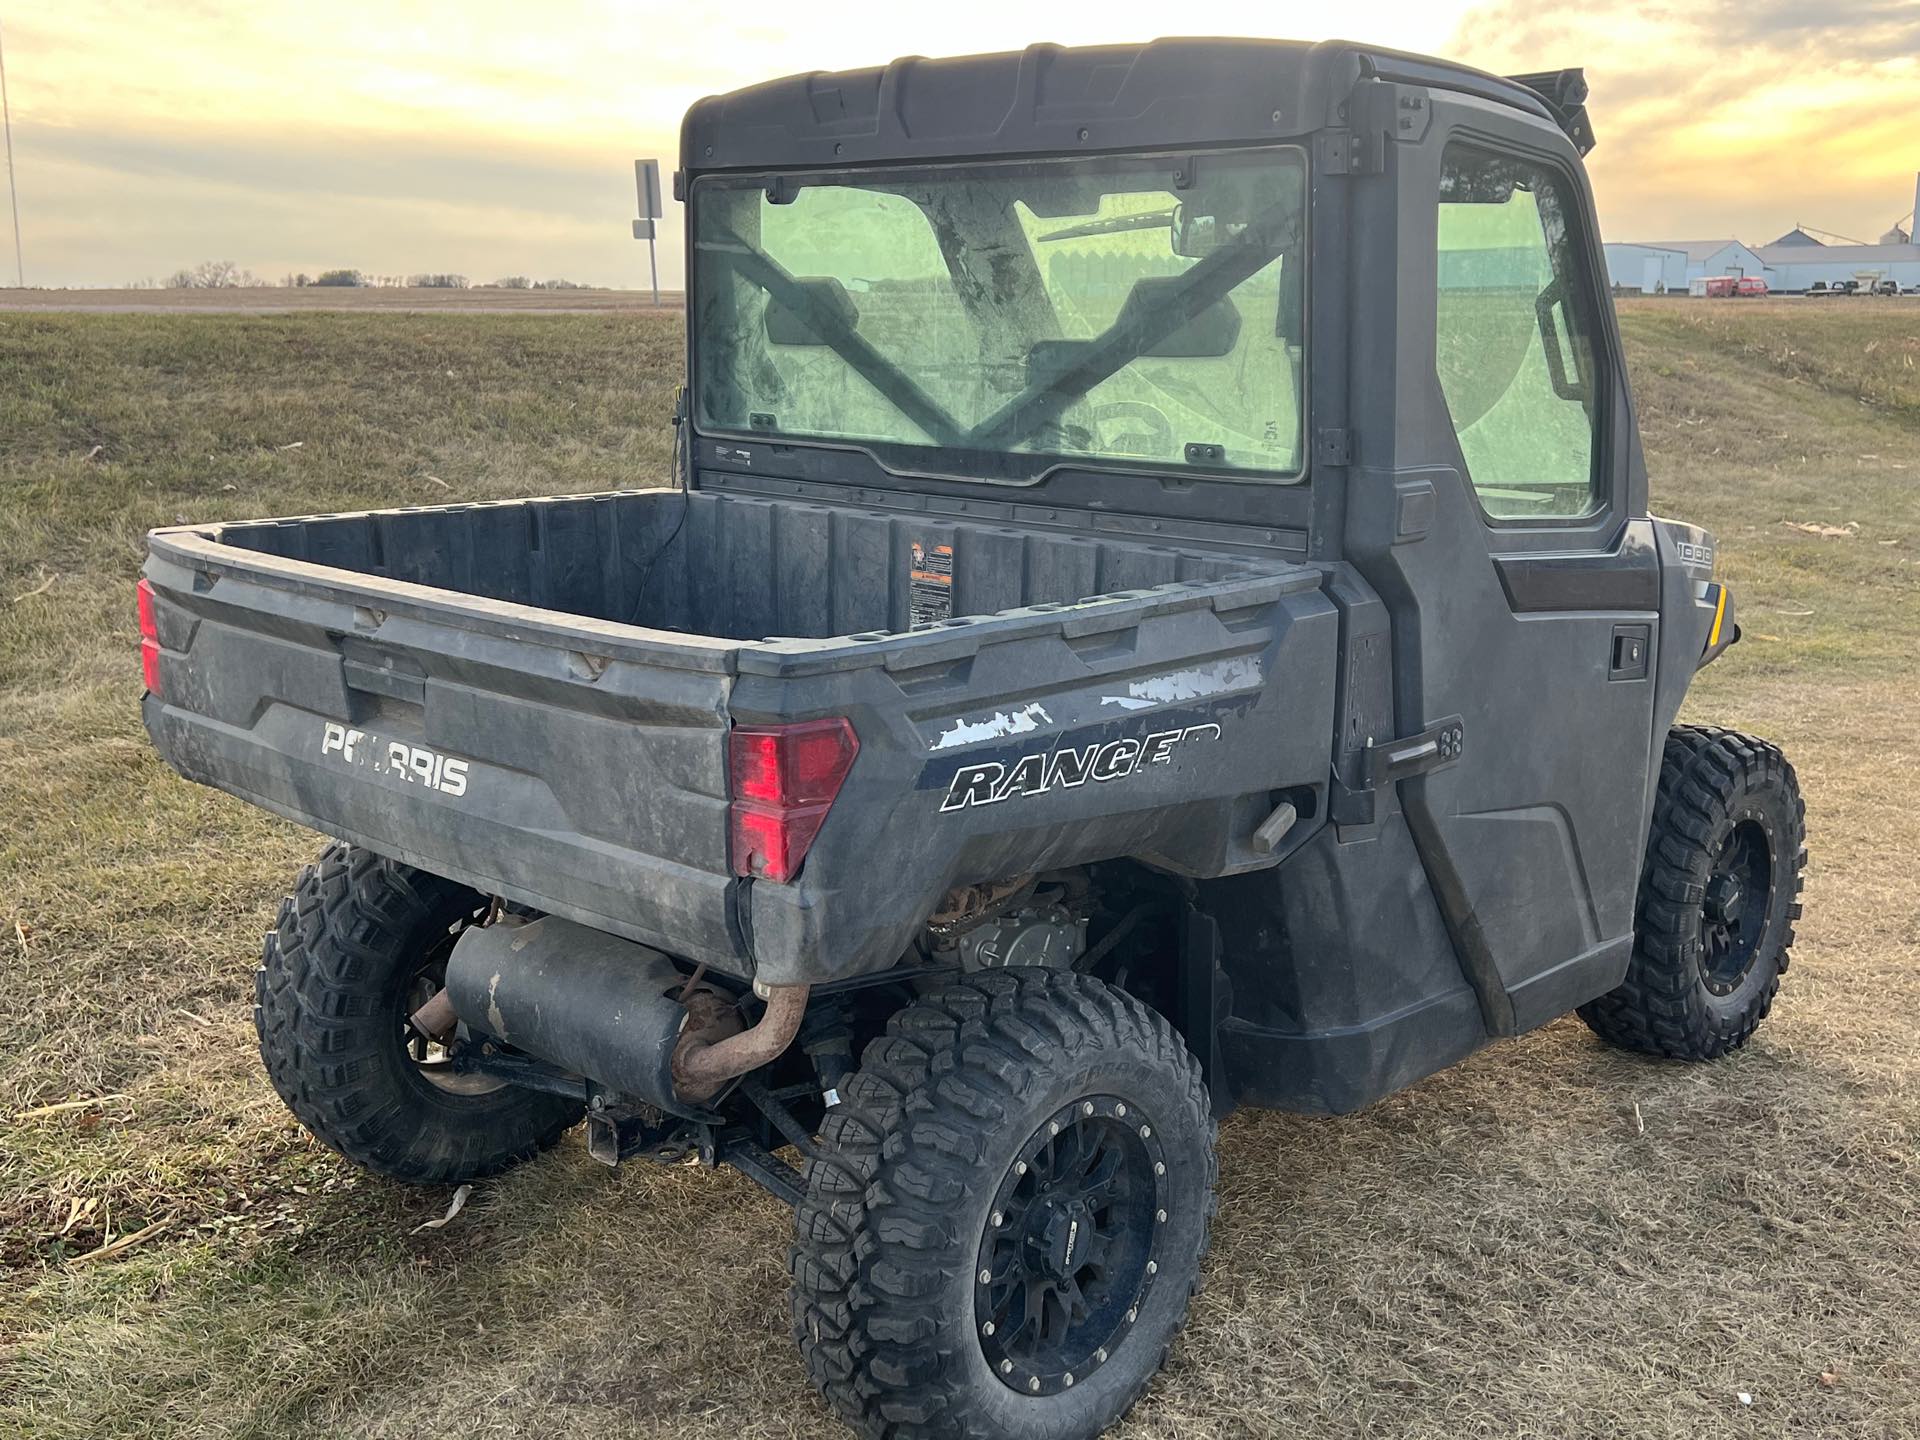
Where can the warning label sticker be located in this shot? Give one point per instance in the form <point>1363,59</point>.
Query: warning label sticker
<point>930,597</point>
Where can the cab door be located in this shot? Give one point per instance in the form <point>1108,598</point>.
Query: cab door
<point>1498,506</point>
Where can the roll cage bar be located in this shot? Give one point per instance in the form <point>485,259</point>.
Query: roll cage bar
<point>1135,331</point>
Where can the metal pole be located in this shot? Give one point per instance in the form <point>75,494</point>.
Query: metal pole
<point>13,187</point>
<point>653,264</point>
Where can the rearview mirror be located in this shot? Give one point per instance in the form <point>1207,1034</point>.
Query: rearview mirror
<point>1221,205</point>
<point>1197,235</point>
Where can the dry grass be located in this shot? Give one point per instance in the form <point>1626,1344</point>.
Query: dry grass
<point>1550,1240</point>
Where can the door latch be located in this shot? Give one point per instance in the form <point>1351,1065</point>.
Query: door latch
<point>1434,747</point>
<point>1381,764</point>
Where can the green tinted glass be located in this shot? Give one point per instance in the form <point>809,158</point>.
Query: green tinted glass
<point>996,320</point>
<point>1515,333</point>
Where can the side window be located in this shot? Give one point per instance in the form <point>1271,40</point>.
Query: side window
<point>1516,349</point>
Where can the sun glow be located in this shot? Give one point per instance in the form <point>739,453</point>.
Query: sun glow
<point>489,138</point>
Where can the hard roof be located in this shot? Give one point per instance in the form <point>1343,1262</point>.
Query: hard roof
<point>1794,254</point>
<point>1692,249</point>
<point>1051,99</point>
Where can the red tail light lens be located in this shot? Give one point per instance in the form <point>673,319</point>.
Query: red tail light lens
<point>149,637</point>
<point>785,778</point>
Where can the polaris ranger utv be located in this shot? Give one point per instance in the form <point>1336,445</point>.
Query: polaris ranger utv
<point>1159,613</point>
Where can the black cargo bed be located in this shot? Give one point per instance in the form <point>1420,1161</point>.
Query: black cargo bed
<point>727,566</point>
<point>572,667</point>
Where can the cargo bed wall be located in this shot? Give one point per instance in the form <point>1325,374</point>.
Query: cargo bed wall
<point>732,567</point>
<point>578,765</point>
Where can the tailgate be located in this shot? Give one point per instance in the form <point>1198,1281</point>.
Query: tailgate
<point>561,762</point>
<point>1155,723</point>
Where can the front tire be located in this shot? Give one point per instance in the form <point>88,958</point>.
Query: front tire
<point>1719,893</point>
<point>1006,1222</point>
<point>360,943</point>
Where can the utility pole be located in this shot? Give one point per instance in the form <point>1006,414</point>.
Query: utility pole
<point>13,186</point>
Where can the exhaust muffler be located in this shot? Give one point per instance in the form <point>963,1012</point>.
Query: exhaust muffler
<point>614,1011</point>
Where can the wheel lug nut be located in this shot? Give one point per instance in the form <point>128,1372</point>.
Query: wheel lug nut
<point>1019,1167</point>
<point>1067,1379</point>
<point>1006,1367</point>
<point>1133,1314</point>
<point>1159,1167</point>
<point>1053,1128</point>
<point>1120,1110</point>
<point>985,1276</point>
<point>1153,1268</point>
<point>1034,1384</point>
<point>998,1219</point>
<point>1146,1132</point>
<point>1086,1107</point>
<point>1100,1355</point>
<point>1160,1217</point>
<point>987,1329</point>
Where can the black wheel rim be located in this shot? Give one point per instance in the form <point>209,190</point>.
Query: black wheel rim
<point>1733,912</point>
<point>1071,1246</point>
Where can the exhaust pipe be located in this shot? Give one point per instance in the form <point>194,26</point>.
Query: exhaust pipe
<point>612,1010</point>
<point>702,1065</point>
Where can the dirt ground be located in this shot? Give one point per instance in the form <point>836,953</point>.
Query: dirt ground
<point>1550,1240</point>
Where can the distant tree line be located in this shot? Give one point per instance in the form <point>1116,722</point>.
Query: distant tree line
<point>225,275</point>
<point>522,282</point>
<point>210,275</point>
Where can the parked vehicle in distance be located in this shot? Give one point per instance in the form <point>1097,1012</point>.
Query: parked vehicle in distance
<point>1726,287</point>
<point>1109,659</point>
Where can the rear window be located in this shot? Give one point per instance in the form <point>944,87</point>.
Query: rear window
<point>996,320</point>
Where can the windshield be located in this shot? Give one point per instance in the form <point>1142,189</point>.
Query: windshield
<point>995,320</point>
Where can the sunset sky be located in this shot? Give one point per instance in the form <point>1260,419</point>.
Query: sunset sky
<point>492,139</point>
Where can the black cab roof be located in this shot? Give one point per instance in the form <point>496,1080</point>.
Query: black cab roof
<point>1052,99</point>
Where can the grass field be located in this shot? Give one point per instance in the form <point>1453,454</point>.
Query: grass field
<point>1550,1240</point>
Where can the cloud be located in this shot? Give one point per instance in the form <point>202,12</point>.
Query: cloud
<point>109,206</point>
<point>1731,118</point>
<point>342,165</point>
<point>401,135</point>
<point>1869,30</point>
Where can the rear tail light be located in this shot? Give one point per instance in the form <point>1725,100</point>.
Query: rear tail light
<point>149,637</point>
<point>784,779</point>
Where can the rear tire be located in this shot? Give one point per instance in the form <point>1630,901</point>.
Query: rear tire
<point>357,946</point>
<point>1719,893</point>
<point>1006,1222</point>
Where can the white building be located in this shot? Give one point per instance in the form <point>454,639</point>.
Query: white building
<point>1794,263</point>
<point>1669,266</point>
<point>1794,267</point>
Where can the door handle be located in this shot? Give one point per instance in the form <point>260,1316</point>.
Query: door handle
<point>1631,652</point>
